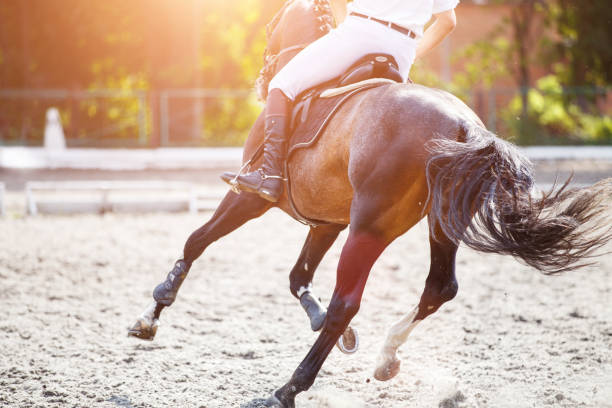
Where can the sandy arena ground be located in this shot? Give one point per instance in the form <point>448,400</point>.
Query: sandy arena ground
<point>72,285</point>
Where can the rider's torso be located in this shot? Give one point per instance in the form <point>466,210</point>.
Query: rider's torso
<point>412,14</point>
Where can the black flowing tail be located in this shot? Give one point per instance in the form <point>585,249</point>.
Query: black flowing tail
<point>480,193</point>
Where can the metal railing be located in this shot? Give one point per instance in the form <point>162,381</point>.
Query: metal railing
<point>194,112</point>
<point>183,117</point>
<point>40,100</point>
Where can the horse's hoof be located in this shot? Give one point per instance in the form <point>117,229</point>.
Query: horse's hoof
<point>348,343</point>
<point>388,370</point>
<point>144,328</point>
<point>274,402</point>
<point>263,403</point>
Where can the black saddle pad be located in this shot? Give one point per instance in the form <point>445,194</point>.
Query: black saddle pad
<point>311,118</point>
<point>318,111</point>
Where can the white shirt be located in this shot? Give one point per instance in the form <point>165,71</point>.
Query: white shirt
<point>412,14</point>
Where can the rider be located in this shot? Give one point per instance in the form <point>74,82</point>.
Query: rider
<point>394,27</point>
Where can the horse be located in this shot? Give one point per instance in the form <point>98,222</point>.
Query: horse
<point>391,156</point>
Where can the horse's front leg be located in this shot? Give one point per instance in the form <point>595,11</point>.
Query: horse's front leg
<point>232,213</point>
<point>318,242</point>
<point>358,255</point>
<point>440,287</point>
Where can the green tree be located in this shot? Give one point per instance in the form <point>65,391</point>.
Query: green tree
<point>582,44</point>
<point>567,38</point>
<point>138,45</point>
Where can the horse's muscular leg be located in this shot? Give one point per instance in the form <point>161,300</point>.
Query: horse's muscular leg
<point>440,287</point>
<point>233,212</point>
<point>358,255</point>
<point>317,244</point>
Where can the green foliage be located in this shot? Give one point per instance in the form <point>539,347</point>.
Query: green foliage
<point>138,45</point>
<point>229,120</point>
<point>582,41</point>
<point>153,45</point>
<point>484,62</point>
<point>551,119</point>
<point>567,38</point>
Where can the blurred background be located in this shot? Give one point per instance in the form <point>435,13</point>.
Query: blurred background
<point>153,99</point>
<point>160,73</point>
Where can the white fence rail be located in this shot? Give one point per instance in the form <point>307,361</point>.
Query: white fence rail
<point>188,199</point>
<point>209,158</point>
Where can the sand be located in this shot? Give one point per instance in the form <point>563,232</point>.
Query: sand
<point>72,285</point>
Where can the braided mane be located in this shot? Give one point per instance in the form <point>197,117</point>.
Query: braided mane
<point>319,10</point>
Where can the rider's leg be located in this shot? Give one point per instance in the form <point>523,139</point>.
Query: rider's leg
<point>268,180</point>
<point>326,58</point>
<point>317,244</point>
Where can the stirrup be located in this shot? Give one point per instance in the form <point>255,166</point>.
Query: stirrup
<point>264,176</point>
<point>234,186</point>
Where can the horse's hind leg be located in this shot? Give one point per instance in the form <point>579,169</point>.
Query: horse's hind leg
<point>360,251</point>
<point>318,242</point>
<point>440,287</point>
<point>232,213</point>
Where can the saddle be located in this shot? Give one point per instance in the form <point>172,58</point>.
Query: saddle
<point>314,108</point>
<point>310,104</point>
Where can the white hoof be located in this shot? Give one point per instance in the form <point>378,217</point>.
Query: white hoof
<point>387,370</point>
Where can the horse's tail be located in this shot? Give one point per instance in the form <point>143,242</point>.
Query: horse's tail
<point>480,193</point>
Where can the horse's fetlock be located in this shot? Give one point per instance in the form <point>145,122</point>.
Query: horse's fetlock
<point>450,291</point>
<point>301,381</point>
<point>297,285</point>
<point>165,293</point>
<point>340,313</point>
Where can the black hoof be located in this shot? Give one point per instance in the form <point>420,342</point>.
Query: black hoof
<point>272,402</point>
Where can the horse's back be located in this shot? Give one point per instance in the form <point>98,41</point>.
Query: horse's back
<point>376,144</point>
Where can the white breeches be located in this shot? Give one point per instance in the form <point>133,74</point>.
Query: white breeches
<point>331,55</point>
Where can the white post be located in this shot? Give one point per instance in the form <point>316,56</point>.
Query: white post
<point>193,201</point>
<point>55,142</point>
<point>30,203</point>
<point>54,133</point>
<point>2,200</point>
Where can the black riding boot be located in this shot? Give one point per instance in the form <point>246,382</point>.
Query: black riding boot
<point>267,181</point>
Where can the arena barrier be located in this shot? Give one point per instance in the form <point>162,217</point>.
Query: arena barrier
<point>188,197</point>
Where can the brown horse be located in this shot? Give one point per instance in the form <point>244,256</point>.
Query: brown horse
<point>391,156</point>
